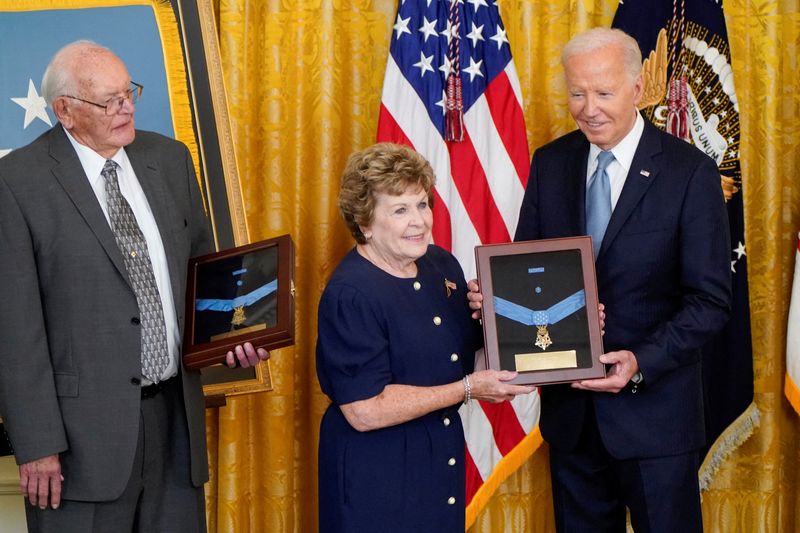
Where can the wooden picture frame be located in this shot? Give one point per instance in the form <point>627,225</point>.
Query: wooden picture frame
<point>540,310</point>
<point>244,294</point>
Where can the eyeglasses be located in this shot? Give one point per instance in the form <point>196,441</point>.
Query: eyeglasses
<point>114,104</point>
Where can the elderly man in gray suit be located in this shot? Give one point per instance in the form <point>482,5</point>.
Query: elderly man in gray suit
<point>97,223</point>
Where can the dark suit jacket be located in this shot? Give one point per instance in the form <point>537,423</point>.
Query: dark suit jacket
<point>663,273</point>
<point>69,351</point>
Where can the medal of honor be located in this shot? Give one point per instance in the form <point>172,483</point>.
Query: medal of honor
<point>542,337</point>
<point>541,318</point>
<point>238,316</point>
<point>237,304</point>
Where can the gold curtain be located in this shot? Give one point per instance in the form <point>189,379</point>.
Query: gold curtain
<point>304,80</point>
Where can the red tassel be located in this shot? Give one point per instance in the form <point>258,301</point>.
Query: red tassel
<point>683,109</point>
<point>454,106</point>
<point>454,110</point>
<point>678,109</point>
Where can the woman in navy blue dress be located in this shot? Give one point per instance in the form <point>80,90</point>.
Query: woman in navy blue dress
<point>395,349</point>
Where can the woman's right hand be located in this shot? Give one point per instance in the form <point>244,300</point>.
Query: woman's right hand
<point>475,298</point>
<point>491,386</point>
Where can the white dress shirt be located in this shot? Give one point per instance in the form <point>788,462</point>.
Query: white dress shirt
<point>623,157</point>
<point>131,189</point>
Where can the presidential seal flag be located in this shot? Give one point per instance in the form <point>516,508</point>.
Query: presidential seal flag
<point>451,92</point>
<point>689,92</point>
<point>792,383</point>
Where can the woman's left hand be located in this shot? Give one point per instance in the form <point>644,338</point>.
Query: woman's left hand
<point>602,309</point>
<point>491,386</point>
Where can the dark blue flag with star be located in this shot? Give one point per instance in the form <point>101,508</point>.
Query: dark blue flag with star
<point>29,39</point>
<point>689,92</point>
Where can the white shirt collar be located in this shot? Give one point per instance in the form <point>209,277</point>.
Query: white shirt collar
<point>91,161</point>
<point>625,149</point>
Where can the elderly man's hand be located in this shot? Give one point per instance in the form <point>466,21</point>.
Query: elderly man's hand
<point>244,355</point>
<point>40,481</point>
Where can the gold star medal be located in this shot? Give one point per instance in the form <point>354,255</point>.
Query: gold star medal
<point>542,337</point>
<point>238,316</point>
<point>542,319</point>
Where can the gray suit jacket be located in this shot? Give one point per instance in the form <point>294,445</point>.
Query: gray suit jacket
<point>69,349</point>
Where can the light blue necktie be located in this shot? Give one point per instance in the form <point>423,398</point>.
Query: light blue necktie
<point>598,201</point>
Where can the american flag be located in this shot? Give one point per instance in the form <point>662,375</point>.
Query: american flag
<point>792,380</point>
<point>481,178</point>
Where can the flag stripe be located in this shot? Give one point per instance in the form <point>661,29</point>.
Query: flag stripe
<point>473,475</point>
<point>510,123</point>
<point>441,231</point>
<point>480,438</point>
<point>505,425</point>
<point>481,435</point>
<point>527,409</point>
<point>470,181</point>
<point>501,177</point>
<point>793,339</point>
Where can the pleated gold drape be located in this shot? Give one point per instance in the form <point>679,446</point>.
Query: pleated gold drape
<point>304,80</point>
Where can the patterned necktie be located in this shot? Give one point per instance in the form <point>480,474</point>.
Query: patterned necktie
<point>598,201</point>
<point>130,240</point>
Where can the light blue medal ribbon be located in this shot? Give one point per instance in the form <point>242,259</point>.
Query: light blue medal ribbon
<point>540,318</point>
<point>212,304</point>
<point>549,316</point>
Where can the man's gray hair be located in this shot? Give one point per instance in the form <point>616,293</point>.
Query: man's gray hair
<point>596,38</point>
<point>58,78</point>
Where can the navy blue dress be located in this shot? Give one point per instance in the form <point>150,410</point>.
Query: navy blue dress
<point>374,330</point>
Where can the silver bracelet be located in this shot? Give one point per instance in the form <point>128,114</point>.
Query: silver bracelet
<point>467,389</point>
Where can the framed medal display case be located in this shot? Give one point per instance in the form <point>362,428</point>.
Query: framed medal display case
<point>244,294</point>
<point>540,310</point>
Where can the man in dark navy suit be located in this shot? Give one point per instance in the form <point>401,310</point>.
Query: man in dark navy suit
<point>654,207</point>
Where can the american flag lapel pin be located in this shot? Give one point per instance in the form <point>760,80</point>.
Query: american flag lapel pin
<point>449,286</point>
<point>645,173</point>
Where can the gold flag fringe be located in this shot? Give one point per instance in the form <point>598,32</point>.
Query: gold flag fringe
<point>509,464</point>
<point>730,439</point>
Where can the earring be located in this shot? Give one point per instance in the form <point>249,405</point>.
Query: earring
<point>368,236</point>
